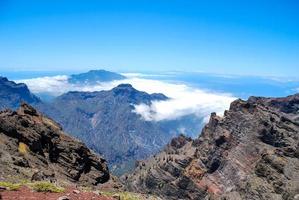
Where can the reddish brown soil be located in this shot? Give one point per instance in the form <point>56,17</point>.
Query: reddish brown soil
<point>25,193</point>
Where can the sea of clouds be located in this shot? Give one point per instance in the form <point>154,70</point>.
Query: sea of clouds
<point>183,99</point>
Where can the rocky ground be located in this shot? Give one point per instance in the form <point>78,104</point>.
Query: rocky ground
<point>25,193</point>
<point>29,191</point>
<point>249,153</point>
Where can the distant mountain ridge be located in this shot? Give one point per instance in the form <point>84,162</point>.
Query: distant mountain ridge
<point>12,94</point>
<point>106,122</point>
<point>95,76</point>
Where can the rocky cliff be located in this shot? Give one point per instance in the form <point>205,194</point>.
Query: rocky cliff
<point>34,147</point>
<point>250,153</point>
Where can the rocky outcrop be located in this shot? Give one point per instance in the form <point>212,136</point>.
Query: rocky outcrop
<point>249,153</point>
<point>34,147</point>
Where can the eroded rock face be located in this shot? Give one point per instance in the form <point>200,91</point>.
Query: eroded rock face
<point>34,147</point>
<point>249,153</point>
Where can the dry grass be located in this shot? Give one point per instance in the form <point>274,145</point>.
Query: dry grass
<point>41,186</point>
<point>45,187</point>
<point>129,196</point>
<point>23,148</point>
<point>10,186</point>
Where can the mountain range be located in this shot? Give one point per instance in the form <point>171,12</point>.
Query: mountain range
<point>106,121</point>
<point>249,153</point>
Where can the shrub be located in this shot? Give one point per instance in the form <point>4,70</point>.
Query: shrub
<point>46,187</point>
<point>10,186</point>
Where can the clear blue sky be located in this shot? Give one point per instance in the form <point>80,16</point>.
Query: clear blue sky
<point>244,37</point>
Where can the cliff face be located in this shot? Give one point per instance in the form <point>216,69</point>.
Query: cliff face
<point>250,153</point>
<point>34,147</point>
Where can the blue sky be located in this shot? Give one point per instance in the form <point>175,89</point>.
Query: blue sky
<point>234,37</point>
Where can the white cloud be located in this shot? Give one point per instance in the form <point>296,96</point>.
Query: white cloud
<point>184,100</point>
<point>140,75</point>
<point>54,85</point>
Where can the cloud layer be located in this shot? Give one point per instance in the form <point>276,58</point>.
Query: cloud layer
<point>184,100</point>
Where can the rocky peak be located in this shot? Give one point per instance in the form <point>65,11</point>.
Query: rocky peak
<point>34,147</point>
<point>124,89</point>
<point>127,90</point>
<point>180,141</point>
<point>3,79</point>
<point>26,109</point>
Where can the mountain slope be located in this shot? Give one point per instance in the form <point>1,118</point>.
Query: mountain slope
<point>250,153</point>
<point>106,122</point>
<point>34,147</point>
<point>94,76</point>
<point>12,94</point>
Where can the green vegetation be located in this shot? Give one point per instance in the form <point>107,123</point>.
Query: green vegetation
<point>10,186</point>
<point>37,186</point>
<point>45,187</point>
<point>125,195</point>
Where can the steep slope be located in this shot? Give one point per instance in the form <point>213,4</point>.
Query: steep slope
<point>94,76</point>
<point>250,153</point>
<point>12,94</point>
<point>34,147</point>
<point>106,122</point>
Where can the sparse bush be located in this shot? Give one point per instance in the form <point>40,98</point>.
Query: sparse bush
<point>123,195</point>
<point>46,187</point>
<point>37,186</point>
<point>10,186</point>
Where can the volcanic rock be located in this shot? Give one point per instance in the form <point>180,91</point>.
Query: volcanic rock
<point>34,147</point>
<point>249,153</point>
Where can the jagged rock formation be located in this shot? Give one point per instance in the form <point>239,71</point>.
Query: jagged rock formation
<point>12,94</point>
<point>251,152</point>
<point>34,147</point>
